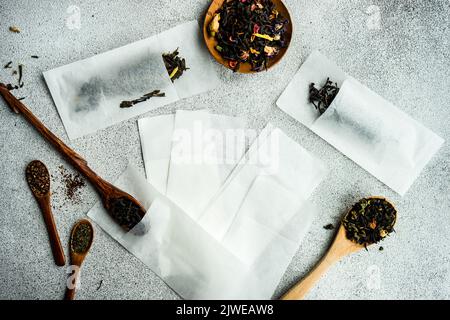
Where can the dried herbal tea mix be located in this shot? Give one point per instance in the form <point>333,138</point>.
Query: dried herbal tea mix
<point>249,31</point>
<point>145,97</point>
<point>125,212</point>
<point>73,183</point>
<point>38,178</point>
<point>322,98</point>
<point>174,64</point>
<point>370,221</point>
<point>81,238</point>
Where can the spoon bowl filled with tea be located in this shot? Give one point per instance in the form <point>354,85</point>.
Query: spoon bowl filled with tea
<point>369,221</point>
<point>38,179</point>
<point>80,242</point>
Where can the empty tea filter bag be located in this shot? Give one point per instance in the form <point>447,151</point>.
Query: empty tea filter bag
<point>204,152</point>
<point>275,155</point>
<point>156,143</point>
<point>368,129</point>
<point>187,257</point>
<point>88,93</point>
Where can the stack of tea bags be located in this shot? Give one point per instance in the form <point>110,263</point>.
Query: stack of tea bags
<point>222,223</point>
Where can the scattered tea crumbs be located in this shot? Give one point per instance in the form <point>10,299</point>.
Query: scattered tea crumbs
<point>329,227</point>
<point>73,184</point>
<point>20,75</point>
<point>100,285</point>
<point>14,29</point>
<point>35,57</point>
<point>8,65</point>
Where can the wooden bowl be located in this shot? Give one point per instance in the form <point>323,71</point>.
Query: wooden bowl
<point>246,67</point>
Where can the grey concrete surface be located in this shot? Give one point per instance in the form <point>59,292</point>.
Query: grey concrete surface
<point>399,48</point>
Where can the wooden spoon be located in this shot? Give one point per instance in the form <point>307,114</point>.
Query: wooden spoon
<point>38,179</point>
<point>340,248</point>
<point>123,208</point>
<point>78,254</point>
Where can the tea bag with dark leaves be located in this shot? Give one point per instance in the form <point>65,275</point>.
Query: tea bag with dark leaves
<point>361,124</point>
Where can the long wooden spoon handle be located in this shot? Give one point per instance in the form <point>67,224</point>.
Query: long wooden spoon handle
<point>55,242</point>
<point>75,159</point>
<point>300,290</point>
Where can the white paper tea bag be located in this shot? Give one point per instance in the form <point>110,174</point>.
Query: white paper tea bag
<point>188,258</point>
<point>200,77</point>
<point>156,143</point>
<point>274,155</point>
<point>203,155</point>
<point>88,93</point>
<point>365,127</point>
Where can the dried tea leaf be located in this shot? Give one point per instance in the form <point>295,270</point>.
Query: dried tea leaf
<point>14,29</point>
<point>369,221</point>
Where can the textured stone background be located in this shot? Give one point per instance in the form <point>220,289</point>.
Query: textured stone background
<point>403,55</point>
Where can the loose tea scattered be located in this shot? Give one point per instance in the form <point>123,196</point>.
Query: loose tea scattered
<point>8,65</point>
<point>174,64</point>
<point>10,87</point>
<point>249,31</point>
<point>20,76</point>
<point>99,285</point>
<point>35,57</point>
<point>381,248</point>
<point>125,212</point>
<point>73,183</point>
<point>81,238</point>
<point>145,97</point>
<point>38,178</point>
<point>322,98</point>
<point>370,221</point>
<point>14,29</point>
<point>329,227</point>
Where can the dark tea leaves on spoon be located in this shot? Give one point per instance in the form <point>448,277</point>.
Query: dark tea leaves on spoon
<point>38,178</point>
<point>369,221</point>
<point>126,213</point>
<point>81,238</point>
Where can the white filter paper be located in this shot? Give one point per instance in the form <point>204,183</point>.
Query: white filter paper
<point>156,143</point>
<point>365,127</point>
<point>195,264</point>
<point>88,93</point>
<point>274,155</point>
<point>203,155</point>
